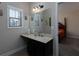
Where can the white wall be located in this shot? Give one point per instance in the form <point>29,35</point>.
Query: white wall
<point>10,37</point>
<point>71,11</point>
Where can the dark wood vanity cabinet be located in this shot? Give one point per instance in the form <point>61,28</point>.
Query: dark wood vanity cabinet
<point>36,48</point>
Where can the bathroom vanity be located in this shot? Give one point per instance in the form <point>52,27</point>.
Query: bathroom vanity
<point>39,45</point>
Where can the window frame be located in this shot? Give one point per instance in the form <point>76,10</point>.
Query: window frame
<point>21,21</point>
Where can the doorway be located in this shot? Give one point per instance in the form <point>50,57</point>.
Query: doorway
<point>68,30</point>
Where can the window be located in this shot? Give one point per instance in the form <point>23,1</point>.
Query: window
<point>14,17</point>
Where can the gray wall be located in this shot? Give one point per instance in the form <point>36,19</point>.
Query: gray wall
<point>10,37</point>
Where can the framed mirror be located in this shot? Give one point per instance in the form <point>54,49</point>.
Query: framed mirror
<point>41,22</point>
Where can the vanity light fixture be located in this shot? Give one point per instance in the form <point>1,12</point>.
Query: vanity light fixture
<point>41,6</point>
<point>38,8</point>
<point>35,8</point>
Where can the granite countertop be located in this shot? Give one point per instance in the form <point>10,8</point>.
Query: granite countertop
<point>44,38</point>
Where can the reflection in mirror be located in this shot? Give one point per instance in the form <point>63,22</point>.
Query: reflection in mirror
<point>41,22</point>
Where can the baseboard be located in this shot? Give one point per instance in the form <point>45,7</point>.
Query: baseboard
<point>73,36</point>
<point>8,53</point>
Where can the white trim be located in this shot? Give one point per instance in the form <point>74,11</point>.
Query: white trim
<point>56,17</point>
<point>55,34</point>
<point>73,36</point>
<point>8,53</point>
